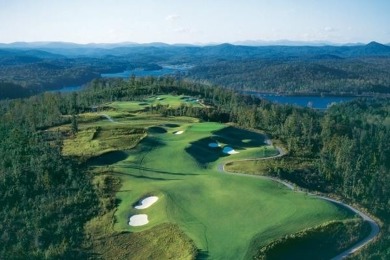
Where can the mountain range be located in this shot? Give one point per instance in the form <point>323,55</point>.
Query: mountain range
<point>163,50</point>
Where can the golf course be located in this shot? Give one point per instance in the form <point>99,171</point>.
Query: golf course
<point>168,169</point>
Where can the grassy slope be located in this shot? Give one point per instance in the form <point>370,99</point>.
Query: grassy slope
<point>228,217</point>
<point>221,213</point>
<point>165,241</point>
<point>94,141</point>
<point>170,100</point>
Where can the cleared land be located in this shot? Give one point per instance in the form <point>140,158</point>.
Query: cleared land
<point>223,214</point>
<point>227,216</point>
<point>164,100</point>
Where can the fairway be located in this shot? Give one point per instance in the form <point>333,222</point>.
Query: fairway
<point>226,216</point>
<point>172,101</point>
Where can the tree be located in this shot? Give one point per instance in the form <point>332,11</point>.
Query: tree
<point>74,124</point>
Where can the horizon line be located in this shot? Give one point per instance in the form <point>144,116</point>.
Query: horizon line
<point>238,43</point>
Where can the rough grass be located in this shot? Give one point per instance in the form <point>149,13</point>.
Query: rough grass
<point>165,241</point>
<point>93,141</point>
<point>264,167</point>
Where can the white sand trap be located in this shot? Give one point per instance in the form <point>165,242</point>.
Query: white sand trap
<point>214,145</point>
<point>229,150</point>
<point>138,220</point>
<point>147,202</point>
<point>178,132</point>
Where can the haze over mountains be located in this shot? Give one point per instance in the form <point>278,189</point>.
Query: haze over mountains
<point>254,49</point>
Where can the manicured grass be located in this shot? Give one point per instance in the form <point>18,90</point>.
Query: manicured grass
<point>227,216</point>
<point>222,213</point>
<point>130,106</point>
<point>97,135</point>
<point>173,101</point>
<point>170,100</point>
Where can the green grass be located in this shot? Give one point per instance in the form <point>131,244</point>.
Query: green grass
<point>130,106</point>
<point>165,241</point>
<point>265,167</point>
<point>172,101</point>
<point>227,216</point>
<point>222,213</point>
<point>93,141</point>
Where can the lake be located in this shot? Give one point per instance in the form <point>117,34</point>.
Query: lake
<point>166,70</point>
<point>316,102</point>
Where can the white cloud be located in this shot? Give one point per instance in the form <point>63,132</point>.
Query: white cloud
<point>329,29</point>
<point>172,17</point>
<point>181,30</point>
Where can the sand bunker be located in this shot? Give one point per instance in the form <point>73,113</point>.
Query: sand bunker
<point>229,150</point>
<point>147,202</point>
<point>178,132</point>
<point>214,145</point>
<point>138,220</point>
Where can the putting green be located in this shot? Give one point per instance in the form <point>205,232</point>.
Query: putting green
<point>173,101</point>
<point>227,216</point>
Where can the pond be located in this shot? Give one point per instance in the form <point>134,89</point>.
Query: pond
<point>166,70</point>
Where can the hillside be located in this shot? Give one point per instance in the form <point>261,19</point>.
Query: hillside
<point>93,156</point>
<point>353,70</point>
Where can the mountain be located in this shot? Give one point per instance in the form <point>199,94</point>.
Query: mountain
<point>20,56</point>
<point>370,49</point>
<point>28,52</point>
<point>285,43</point>
<point>248,49</point>
<point>376,47</point>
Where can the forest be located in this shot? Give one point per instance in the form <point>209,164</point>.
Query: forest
<point>328,75</point>
<point>47,198</point>
<point>360,70</point>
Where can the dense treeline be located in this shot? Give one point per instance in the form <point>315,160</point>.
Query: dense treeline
<point>45,198</point>
<point>330,238</point>
<point>328,75</point>
<point>11,91</point>
<point>348,144</point>
<point>355,156</point>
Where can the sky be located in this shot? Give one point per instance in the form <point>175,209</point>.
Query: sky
<point>194,21</point>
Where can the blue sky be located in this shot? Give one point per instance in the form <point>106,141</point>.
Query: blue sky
<point>194,21</point>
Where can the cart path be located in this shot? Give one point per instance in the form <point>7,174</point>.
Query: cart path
<point>108,118</point>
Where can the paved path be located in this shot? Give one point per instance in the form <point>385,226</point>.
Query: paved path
<point>374,226</point>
